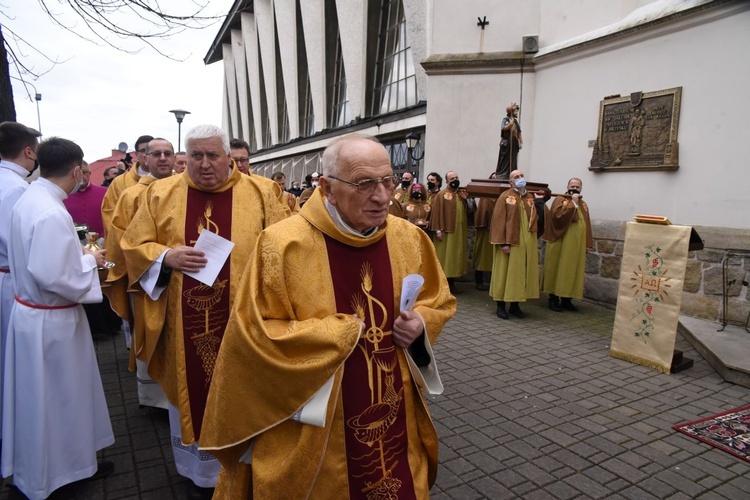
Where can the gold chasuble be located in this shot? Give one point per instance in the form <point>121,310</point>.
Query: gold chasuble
<point>184,327</point>
<point>295,322</point>
<point>117,277</point>
<point>114,191</point>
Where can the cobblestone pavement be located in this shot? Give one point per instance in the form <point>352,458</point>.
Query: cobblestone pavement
<point>533,408</point>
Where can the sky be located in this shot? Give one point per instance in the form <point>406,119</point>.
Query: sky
<point>98,96</point>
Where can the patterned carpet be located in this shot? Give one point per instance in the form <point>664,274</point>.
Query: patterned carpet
<point>728,431</point>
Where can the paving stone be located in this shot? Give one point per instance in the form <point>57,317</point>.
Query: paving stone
<point>532,409</point>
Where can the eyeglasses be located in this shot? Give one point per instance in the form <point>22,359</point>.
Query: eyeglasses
<point>243,160</point>
<point>367,186</point>
<point>158,154</point>
<point>142,150</point>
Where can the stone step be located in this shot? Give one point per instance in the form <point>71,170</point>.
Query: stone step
<point>727,351</point>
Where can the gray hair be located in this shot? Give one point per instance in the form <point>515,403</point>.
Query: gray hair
<point>208,132</point>
<point>331,155</point>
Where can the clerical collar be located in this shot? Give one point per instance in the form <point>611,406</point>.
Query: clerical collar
<point>346,228</point>
<point>14,167</point>
<point>142,172</point>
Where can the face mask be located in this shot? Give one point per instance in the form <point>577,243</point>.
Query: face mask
<point>405,184</point>
<point>573,191</point>
<point>416,196</point>
<point>77,186</point>
<point>520,183</point>
<point>36,165</point>
<point>454,184</point>
<point>315,184</point>
<point>430,186</point>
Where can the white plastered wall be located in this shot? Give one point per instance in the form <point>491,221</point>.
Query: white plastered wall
<point>463,122</point>
<point>709,61</point>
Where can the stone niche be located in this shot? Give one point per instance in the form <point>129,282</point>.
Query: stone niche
<point>638,132</point>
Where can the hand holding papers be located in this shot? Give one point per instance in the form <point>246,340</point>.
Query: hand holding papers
<point>427,377</point>
<point>216,250</point>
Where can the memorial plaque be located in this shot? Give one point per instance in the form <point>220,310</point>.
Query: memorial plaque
<point>638,132</point>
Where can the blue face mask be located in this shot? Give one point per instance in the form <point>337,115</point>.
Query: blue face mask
<point>520,183</point>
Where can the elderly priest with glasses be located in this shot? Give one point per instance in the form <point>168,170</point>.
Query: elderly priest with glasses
<point>320,320</point>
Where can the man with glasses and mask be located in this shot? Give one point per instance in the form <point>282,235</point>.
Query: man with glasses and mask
<point>85,205</point>
<point>517,222</point>
<point>185,318</point>
<point>449,221</point>
<point>319,314</point>
<point>56,416</point>
<point>401,193</point>
<point>18,147</point>
<point>160,159</point>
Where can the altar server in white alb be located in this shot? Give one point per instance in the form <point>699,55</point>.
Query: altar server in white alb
<point>56,417</point>
<point>18,145</point>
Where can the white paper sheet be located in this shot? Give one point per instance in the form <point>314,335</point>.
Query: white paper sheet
<point>410,287</point>
<point>217,250</point>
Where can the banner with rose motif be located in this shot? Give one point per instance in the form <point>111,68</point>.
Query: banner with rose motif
<point>650,292</point>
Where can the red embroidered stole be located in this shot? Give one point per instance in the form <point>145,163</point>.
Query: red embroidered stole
<point>372,387</point>
<point>205,310</point>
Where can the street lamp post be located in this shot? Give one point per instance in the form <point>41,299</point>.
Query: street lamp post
<point>37,98</point>
<point>412,141</point>
<point>179,114</point>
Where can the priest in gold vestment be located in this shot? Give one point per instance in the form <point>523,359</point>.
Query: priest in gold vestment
<point>319,312</point>
<point>567,232</point>
<point>185,320</point>
<point>160,160</point>
<point>118,185</point>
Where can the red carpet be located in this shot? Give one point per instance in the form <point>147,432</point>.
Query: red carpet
<point>728,431</point>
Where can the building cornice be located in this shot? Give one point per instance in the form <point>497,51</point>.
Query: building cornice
<point>478,62</point>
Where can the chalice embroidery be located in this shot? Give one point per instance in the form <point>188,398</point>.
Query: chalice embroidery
<point>371,426</point>
<point>202,298</point>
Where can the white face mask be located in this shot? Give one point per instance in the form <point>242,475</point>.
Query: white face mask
<point>314,183</point>
<point>77,186</point>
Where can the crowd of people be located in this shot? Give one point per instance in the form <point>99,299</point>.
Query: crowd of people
<point>264,316</point>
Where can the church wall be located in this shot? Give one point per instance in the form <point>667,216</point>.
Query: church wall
<point>464,114</point>
<point>713,125</point>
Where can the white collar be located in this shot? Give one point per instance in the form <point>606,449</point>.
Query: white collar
<point>14,167</point>
<point>346,228</point>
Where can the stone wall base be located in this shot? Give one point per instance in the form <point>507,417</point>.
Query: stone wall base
<point>724,262</point>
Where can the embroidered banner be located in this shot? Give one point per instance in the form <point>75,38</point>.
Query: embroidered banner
<point>650,292</point>
<point>205,310</point>
<point>372,387</point>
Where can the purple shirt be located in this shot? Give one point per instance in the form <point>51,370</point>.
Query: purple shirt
<point>86,207</point>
